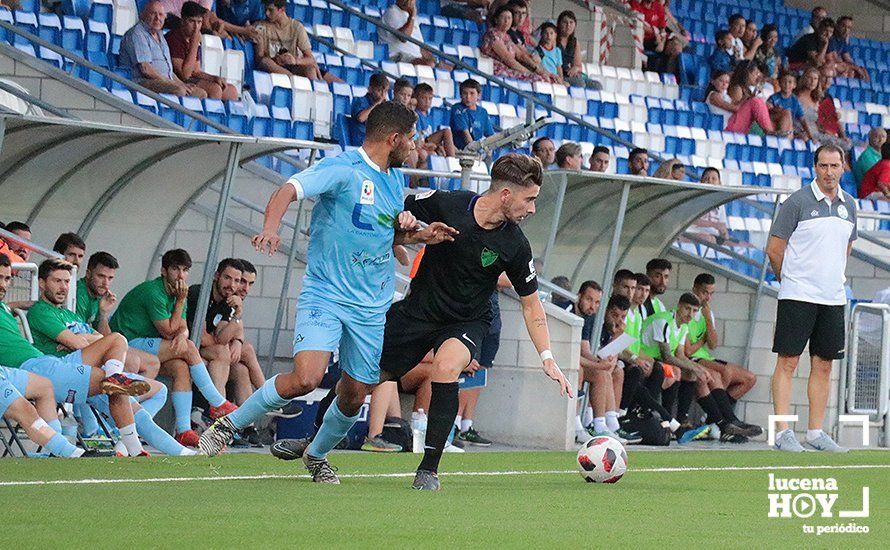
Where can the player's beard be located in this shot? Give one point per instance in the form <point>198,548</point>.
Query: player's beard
<point>395,161</point>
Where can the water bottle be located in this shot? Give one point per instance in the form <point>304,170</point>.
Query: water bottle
<point>418,429</point>
<point>69,424</point>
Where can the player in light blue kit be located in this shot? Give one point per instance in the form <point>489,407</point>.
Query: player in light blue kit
<point>349,281</point>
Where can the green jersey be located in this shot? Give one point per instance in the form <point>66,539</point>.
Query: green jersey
<point>87,305</point>
<point>14,349</point>
<point>634,327</point>
<point>661,328</point>
<point>48,321</point>
<point>698,329</point>
<point>141,307</point>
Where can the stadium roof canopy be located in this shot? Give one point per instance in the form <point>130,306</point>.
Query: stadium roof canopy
<point>578,213</point>
<point>118,187</point>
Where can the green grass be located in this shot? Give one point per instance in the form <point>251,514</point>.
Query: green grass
<point>717,508</point>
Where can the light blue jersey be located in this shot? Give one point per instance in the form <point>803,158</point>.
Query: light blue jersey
<point>350,258</point>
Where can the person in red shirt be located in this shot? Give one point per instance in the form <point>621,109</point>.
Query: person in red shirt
<point>876,182</point>
<point>185,43</point>
<point>655,28</point>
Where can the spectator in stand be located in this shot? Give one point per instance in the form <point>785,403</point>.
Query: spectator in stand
<point>361,107</point>
<point>469,121</point>
<point>402,15</point>
<point>520,32</point>
<point>751,38</point>
<point>876,182</point>
<point>785,99</point>
<point>72,247</point>
<point>184,43</point>
<point>432,141</point>
<point>545,151</point>
<point>464,9</point>
<point>816,16</point>
<point>572,70</point>
<point>146,54</point>
<point>737,25</point>
<point>238,17</point>
<point>819,111</point>
<point>654,23</point>
<point>840,52</point>
<point>21,229</point>
<point>508,57</point>
<point>6,251</point>
<point>811,50</point>
<point>872,154</point>
<point>723,59</point>
<point>403,93</point>
<point>667,60</point>
<point>767,55</point>
<point>750,113</point>
<point>558,300</point>
<point>569,156</point>
<point>674,28</point>
<point>713,226</point>
<point>210,23</point>
<point>599,159</point>
<point>638,162</point>
<point>152,317</point>
<point>550,54</point>
<point>283,46</point>
<point>671,169</point>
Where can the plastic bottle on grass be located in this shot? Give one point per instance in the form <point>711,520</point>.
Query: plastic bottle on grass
<point>418,429</point>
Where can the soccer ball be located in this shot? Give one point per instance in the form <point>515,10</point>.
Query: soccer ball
<point>602,460</point>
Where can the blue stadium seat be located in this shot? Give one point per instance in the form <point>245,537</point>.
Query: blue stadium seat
<point>102,11</point>
<point>216,111</point>
<point>237,118</point>
<point>72,33</point>
<point>50,27</point>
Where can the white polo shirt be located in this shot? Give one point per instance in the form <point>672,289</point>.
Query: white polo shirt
<point>396,17</point>
<point>818,232</point>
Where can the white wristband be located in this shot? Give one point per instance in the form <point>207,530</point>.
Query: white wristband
<point>546,354</point>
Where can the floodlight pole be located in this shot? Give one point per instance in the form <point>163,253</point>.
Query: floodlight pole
<point>219,221</point>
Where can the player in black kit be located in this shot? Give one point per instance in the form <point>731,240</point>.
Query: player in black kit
<point>447,307</point>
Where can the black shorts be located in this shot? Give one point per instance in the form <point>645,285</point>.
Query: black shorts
<point>800,322</point>
<point>407,339</point>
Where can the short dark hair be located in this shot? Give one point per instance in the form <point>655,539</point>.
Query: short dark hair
<point>536,145</point>
<point>637,151</point>
<point>720,35</point>
<point>402,83</point>
<point>657,264</point>
<point>562,282</point>
<point>176,258</point>
<point>388,118</point>
<point>827,22</point>
<point>642,279</point>
<point>885,150</point>
<point>104,259</point>
<point>248,267</point>
<point>192,9</point>
<point>516,169</point>
<point>708,170</point>
<point>600,149</point>
<point>378,80</point>
<point>423,88</point>
<point>277,3</point>
<point>588,285</point>
<point>767,29</point>
<point>229,262</point>
<point>735,17</point>
<point>12,227</point>
<point>829,147</point>
<point>547,25</point>
<point>817,9</point>
<point>470,83</point>
<point>617,301</point>
<point>704,279</point>
<point>4,261</point>
<point>622,275</point>
<point>844,18</point>
<point>690,299</point>
<point>50,265</point>
<point>67,240</point>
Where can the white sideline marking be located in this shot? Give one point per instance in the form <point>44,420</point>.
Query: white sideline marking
<point>444,474</point>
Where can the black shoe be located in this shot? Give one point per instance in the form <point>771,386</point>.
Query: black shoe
<point>252,437</point>
<point>753,429</point>
<point>731,428</point>
<point>239,442</point>
<point>291,410</point>
<point>731,438</point>
<point>426,480</point>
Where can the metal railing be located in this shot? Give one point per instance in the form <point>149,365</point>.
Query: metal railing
<point>865,386</point>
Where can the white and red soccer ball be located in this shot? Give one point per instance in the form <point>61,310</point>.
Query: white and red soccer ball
<point>602,460</point>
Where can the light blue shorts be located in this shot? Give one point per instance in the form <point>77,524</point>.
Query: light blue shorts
<point>12,386</point>
<point>148,345</point>
<point>322,325</point>
<point>71,382</point>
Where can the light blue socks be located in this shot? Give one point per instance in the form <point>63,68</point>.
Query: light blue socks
<point>201,378</point>
<point>182,410</point>
<point>333,429</point>
<point>262,401</point>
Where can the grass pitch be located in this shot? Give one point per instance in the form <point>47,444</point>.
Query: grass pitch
<point>510,499</point>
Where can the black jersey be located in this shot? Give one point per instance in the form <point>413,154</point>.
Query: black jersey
<point>455,279</point>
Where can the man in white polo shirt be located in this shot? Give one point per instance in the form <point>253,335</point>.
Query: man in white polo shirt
<point>402,15</point>
<point>808,248</point>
